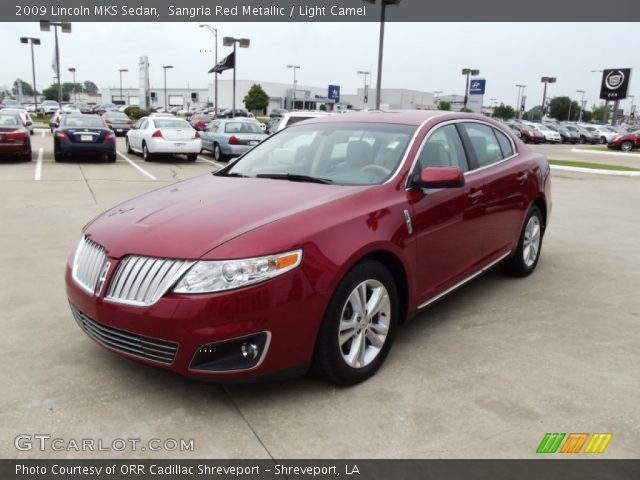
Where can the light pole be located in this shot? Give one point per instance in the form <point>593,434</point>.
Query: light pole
<point>244,43</point>
<point>73,72</point>
<point>214,31</point>
<point>631,108</point>
<point>436,97</point>
<point>546,81</point>
<point>33,41</point>
<point>166,67</point>
<point>383,7</point>
<point>518,105</point>
<point>124,70</point>
<point>365,97</point>
<point>582,92</point>
<point>45,26</point>
<point>468,72</point>
<point>295,83</point>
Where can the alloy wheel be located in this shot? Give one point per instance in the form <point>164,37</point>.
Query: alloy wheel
<point>626,146</point>
<point>531,242</point>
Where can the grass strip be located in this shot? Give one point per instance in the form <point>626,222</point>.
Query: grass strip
<point>594,166</point>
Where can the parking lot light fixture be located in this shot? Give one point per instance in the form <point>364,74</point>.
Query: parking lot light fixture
<point>214,31</point>
<point>365,96</point>
<point>45,26</point>
<point>383,7</point>
<point>520,100</point>
<point>546,81</point>
<point>73,72</point>
<point>32,41</point>
<point>582,92</point>
<point>166,67</point>
<point>295,84</point>
<point>468,72</point>
<point>243,43</point>
<point>124,70</point>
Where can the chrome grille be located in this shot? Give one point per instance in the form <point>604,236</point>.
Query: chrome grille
<point>86,264</point>
<point>143,280</point>
<point>126,342</point>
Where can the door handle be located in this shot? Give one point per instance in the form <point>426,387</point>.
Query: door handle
<point>475,194</point>
<point>522,176</point>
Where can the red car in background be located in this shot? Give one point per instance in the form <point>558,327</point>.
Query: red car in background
<point>312,248</point>
<point>626,141</point>
<point>200,121</point>
<point>15,142</point>
<point>527,134</point>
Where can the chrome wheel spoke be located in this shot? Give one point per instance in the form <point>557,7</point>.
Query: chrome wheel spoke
<point>379,329</point>
<point>377,302</point>
<point>374,339</point>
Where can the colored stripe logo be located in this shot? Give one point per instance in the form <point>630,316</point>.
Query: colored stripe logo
<point>574,442</point>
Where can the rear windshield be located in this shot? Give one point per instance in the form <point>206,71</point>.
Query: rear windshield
<point>117,115</point>
<point>242,127</point>
<point>89,122</point>
<point>6,119</point>
<point>170,123</point>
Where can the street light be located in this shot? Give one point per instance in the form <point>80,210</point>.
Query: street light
<point>546,81</point>
<point>73,71</point>
<point>166,67</point>
<point>33,41</point>
<point>45,26</point>
<point>295,83</point>
<point>520,98</point>
<point>467,72</point>
<point>214,31</point>
<point>365,96</point>
<point>632,107</point>
<point>581,103</point>
<point>244,43</point>
<point>124,70</point>
<point>383,7</point>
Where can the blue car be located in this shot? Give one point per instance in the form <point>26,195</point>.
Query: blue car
<point>85,135</point>
<point>231,137</point>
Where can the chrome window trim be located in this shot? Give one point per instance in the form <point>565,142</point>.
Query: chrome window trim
<point>466,280</point>
<point>406,153</point>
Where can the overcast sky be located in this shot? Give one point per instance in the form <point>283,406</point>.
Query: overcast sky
<point>420,56</point>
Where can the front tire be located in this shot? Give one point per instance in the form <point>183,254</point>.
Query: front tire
<point>603,140</point>
<point>525,258</point>
<point>359,325</point>
<point>626,146</point>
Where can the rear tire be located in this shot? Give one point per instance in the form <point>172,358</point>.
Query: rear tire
<point>112,157</point>
<point>146,155</point>
<point>27,156</point>
<point>192,157</point>
<point>359,325</point>
<point>525,258</point>
<point>217,153</point>
<point>129,149</point>
<point>525,139</point>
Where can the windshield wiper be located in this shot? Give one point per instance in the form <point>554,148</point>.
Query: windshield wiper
<point>232,174</point>
<point>294,177</point>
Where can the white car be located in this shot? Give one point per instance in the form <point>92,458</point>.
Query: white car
<point>279,123</point>
<point>150,136</point>
<point>49,107</point>
<point>606,135</point>
<point>56,118</point>
<point>24,116</point>
<point>549,135</point>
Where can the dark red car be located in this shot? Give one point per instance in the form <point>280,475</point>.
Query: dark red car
<point>199,121</point>
<point>527,133</point>
<point>312,248</point>
<point>625,142</point>
<point>15,142</point>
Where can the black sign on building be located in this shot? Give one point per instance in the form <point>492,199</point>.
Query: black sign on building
<point>615,82</point>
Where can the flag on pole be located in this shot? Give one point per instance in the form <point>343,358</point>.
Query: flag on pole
<point>226,63</point>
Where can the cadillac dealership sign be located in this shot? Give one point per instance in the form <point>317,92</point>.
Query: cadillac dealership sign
<point>615,82</point>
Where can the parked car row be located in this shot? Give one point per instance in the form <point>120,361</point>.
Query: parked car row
<point>15,141</point>
<point>564,132</point>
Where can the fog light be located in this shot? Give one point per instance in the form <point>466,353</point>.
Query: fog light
<point>249,350</point>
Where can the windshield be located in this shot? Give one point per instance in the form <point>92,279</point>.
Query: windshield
<point>87,122</point>
<point>341,153</point>
<point>241,127</point>
<point>169,123</point>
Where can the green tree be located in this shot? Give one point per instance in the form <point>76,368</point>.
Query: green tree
<point>26,87</point>
<point>51,93</point>
<point>587,116</point>
<point>90,87</point>
<point>561,107</point>
<point>444,105</point>
<point>597,113</point>
<point>534,114</point>
<point>466,110</point>
<point>504,111</point>
<point>256,98</point>
<point>323,107</point>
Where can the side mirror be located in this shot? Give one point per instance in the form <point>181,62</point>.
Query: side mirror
<point>441,177</point>
<point>28,124</point>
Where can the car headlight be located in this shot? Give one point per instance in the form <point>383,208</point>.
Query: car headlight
<point>215,276</point>
<point>615,139</point>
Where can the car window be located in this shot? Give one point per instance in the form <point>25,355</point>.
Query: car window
<point>484,143</point>
<point>144,124</point>
<point>241,127</point>
<point>170,123</point>
<point>443,148</point>
<point>505,144</point>
<point>86,122</point>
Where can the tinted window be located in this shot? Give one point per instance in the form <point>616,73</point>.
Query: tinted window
<point>242,127</point>
<point>168,123</point>
<point>89,122</point>
<point>484,142</point>
<point>505,144</point>
<point>443,148</point>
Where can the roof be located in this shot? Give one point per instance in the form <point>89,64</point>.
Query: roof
<point>405,117</point>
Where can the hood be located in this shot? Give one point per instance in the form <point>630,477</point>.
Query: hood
<point>190,218</point>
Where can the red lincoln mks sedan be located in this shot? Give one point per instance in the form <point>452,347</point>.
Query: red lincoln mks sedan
<point>312,248</point>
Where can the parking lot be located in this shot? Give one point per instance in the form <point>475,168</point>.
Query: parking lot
<point>483,373</point>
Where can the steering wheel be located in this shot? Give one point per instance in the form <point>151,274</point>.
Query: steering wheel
<point>373,168</point>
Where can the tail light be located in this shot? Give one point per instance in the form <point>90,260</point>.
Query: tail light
<point>129,122</point>
<point>197,134</point>
<point>109,136</point>
<point>108,122</point>
<point>233,140</point>
<point>62,135</point>
<point>15,136</point>
<point>157,134</point>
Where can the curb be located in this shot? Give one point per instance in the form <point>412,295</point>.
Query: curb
<point>594,171</point>
<point>604,152</point>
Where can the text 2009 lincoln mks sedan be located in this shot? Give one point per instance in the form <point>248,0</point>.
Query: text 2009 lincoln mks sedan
<point>312,248</point>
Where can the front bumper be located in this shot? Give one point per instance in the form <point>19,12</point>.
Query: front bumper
<point>286,308</point>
